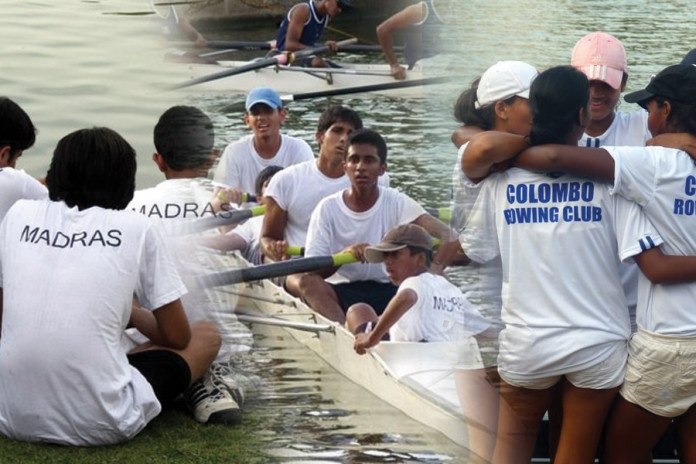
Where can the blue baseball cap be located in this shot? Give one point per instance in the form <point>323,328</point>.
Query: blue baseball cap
<point>265,95</point>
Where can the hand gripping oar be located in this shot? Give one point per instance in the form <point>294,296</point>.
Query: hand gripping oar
<point>282,58</point>
<point>280,268</point>
<point>366,88</point>
<point>223,218</point>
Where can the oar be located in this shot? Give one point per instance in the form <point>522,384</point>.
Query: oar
<point>281,58</point>
<point>239,45</point>
<point>223,218</point>
<point>366,88</point>
<point>444,214</point>
<point>281,268</point>
<point>305,326</point>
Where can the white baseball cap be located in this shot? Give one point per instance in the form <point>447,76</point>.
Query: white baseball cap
<point>503,80</point>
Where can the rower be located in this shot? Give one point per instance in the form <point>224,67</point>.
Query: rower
<point>244,159</point>
<point>349,220</point>
<point>419,22</point>
<point>17,133</point>
<point>184,138</point>
<point>303,25</point>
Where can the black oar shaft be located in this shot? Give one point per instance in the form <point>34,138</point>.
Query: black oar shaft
<point>367,88</point>
<point>267,271</point>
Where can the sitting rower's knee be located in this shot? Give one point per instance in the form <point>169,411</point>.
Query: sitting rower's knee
<point>358,315</point>
<point>208,333</point>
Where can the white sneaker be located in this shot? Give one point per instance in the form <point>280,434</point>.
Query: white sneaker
<point>210,401</point>
<point>241,384</point>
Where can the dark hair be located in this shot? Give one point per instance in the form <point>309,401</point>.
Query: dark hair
<point>263,176</point>
<point>334,114</point>
<point>428,254</point>
<point>370,137</point>
<point>92,167</point>
<point>682,117</point>
<point>555,99</point>
<point>465,110</point>
<point>16,128</point>
<point>184,136</point>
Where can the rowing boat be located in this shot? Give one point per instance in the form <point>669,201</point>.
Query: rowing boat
<point>409,376</point>
<point>293,80</point>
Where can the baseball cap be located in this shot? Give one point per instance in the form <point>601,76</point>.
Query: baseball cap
<point>676,83</point>
<point>503,80</point>
<point>265,95</point>
<point>601,57</point>
<point>397,238</point>
<point>690,58</point>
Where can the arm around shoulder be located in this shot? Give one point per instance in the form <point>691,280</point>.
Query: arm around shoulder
<point>660,268</point>
<point>489,148</point>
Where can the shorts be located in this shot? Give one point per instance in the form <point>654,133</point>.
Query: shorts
<point>166,371</point>
<point>661,373</point>
<point>376,294</point>
<point>608,373</point>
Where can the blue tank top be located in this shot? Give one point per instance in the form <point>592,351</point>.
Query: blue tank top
<point>422,38</point>
<point>310,33</point>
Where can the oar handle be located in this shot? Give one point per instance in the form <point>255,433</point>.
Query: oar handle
<point>444,213</point>
<point>223,218</point>
<point>319,49</point>
<point>281,268</point>
<point>246,197</point>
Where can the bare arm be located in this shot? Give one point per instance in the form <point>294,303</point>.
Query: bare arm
<point>298,17</point>
<point>450,250</point>
<point>591,163</point>
<point>488,149</point>
<point>397,307</point>
<point>660,268</point>
<point>404,18</point>
<point>681,141</point>
<point>272,243</point>
<point>463,134</point>
<point>166,326</point>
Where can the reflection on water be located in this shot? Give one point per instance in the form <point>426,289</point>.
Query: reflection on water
<point>313,414</point>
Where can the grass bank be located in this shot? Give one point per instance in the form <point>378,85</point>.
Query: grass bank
<point>172,438</point>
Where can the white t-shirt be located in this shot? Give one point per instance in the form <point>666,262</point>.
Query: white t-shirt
<point>441,312</point>
<point>250,232</point>
<point>298,189</point>
<point>627,129</point>
<point>68,278</point>
<point>240,163</point>
<point>560,240</point>
<point>334,226</point>
<point>663,182</point>
<point>15,184</point>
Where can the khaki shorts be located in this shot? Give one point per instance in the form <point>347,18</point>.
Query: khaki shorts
<point>661,373</point>
<point>606,374</point>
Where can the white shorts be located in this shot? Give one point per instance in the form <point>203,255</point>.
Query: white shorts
<point>661,373</point>
<point>606,374</point>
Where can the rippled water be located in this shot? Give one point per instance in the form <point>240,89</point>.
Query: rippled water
<point>74,64</point>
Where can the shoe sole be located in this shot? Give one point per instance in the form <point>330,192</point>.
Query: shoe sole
<point>228,417</point>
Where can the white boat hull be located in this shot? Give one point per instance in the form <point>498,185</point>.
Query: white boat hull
<point>374,371</point>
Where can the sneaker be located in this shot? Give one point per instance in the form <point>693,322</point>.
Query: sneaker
<point>210,401</point>
<point>239,383</point>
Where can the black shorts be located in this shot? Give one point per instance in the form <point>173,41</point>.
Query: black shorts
<point>166,371</point>
<point>376,294</point>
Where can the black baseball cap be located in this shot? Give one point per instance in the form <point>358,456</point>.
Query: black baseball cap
<point>675,83</point>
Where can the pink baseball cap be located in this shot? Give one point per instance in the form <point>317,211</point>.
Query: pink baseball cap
<point>601,57</point>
